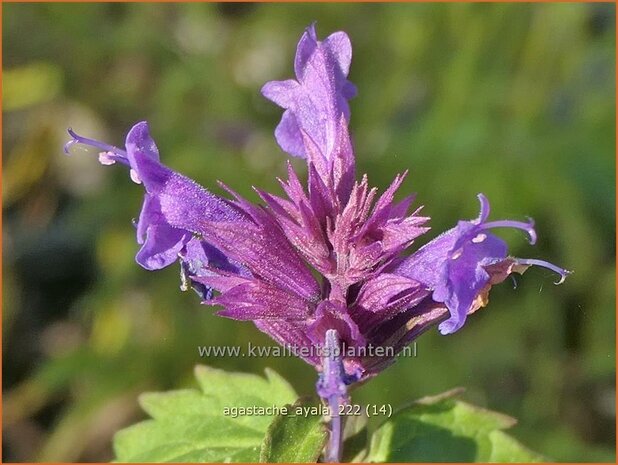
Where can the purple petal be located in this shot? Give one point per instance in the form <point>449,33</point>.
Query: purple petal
<point>139,140</point>
<point>289,136</point>
<point>307,45</point>
<point>316,103</point>
<point>183,203</point>
<point>161,247</point>
<point>221,281</point>
<point>280,92</point>
<point>452,265</point>
<point>202,259</point>
<point>340,48</point>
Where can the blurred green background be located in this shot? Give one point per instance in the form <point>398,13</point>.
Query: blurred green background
<point>513,100</point>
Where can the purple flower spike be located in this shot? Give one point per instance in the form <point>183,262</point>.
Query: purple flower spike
<point>325,264</point>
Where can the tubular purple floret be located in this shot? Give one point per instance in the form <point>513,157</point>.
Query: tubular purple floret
<point>527,227</point>
<point>77,139</point>
<point>550,266</point>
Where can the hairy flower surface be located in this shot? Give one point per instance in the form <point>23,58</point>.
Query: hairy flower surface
<point>323,264</point>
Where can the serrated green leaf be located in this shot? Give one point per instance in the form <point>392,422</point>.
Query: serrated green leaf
<point>445,429</point>
<point>295,438</point>
<point>190,425</point>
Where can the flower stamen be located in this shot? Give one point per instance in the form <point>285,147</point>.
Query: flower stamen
<point>528,227</point>
<point>556,269</point>
<point>111,153</point>
<point>480,237</point>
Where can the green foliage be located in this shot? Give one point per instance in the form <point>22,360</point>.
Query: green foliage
<point>190,425</point>
<point>444,429</point>
<point>294,438</point>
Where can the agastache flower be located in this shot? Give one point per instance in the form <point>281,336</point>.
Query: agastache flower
<point>260,262</point>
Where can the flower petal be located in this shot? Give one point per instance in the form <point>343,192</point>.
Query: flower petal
<point>139,140</point>
<point>161,247</point>
<point>281,92</point>
<point>316,102</point>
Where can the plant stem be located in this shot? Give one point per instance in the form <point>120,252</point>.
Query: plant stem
<point>332,388</point>
<point>334,449</point>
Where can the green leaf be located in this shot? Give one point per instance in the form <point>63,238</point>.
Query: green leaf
<point>444,429</point>
<point>199,425</point>
<point>296,437</point>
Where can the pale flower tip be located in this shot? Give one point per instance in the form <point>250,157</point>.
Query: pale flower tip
<point>332,337</point>
<point>312,31</point>
<point>532,237</point>
<point>74,140</point>
<point>550,266</point>
<point>67,146</point>
<point>447,327</point>
<point>134,176</point>
<point>107,158</point>
<point>485,209</point>
<point>563,277</point>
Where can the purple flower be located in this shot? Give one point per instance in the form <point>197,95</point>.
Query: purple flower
<point>314,123</point>
<point>175,207</point>
<point>462,264</point>
<point>262,260</point>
